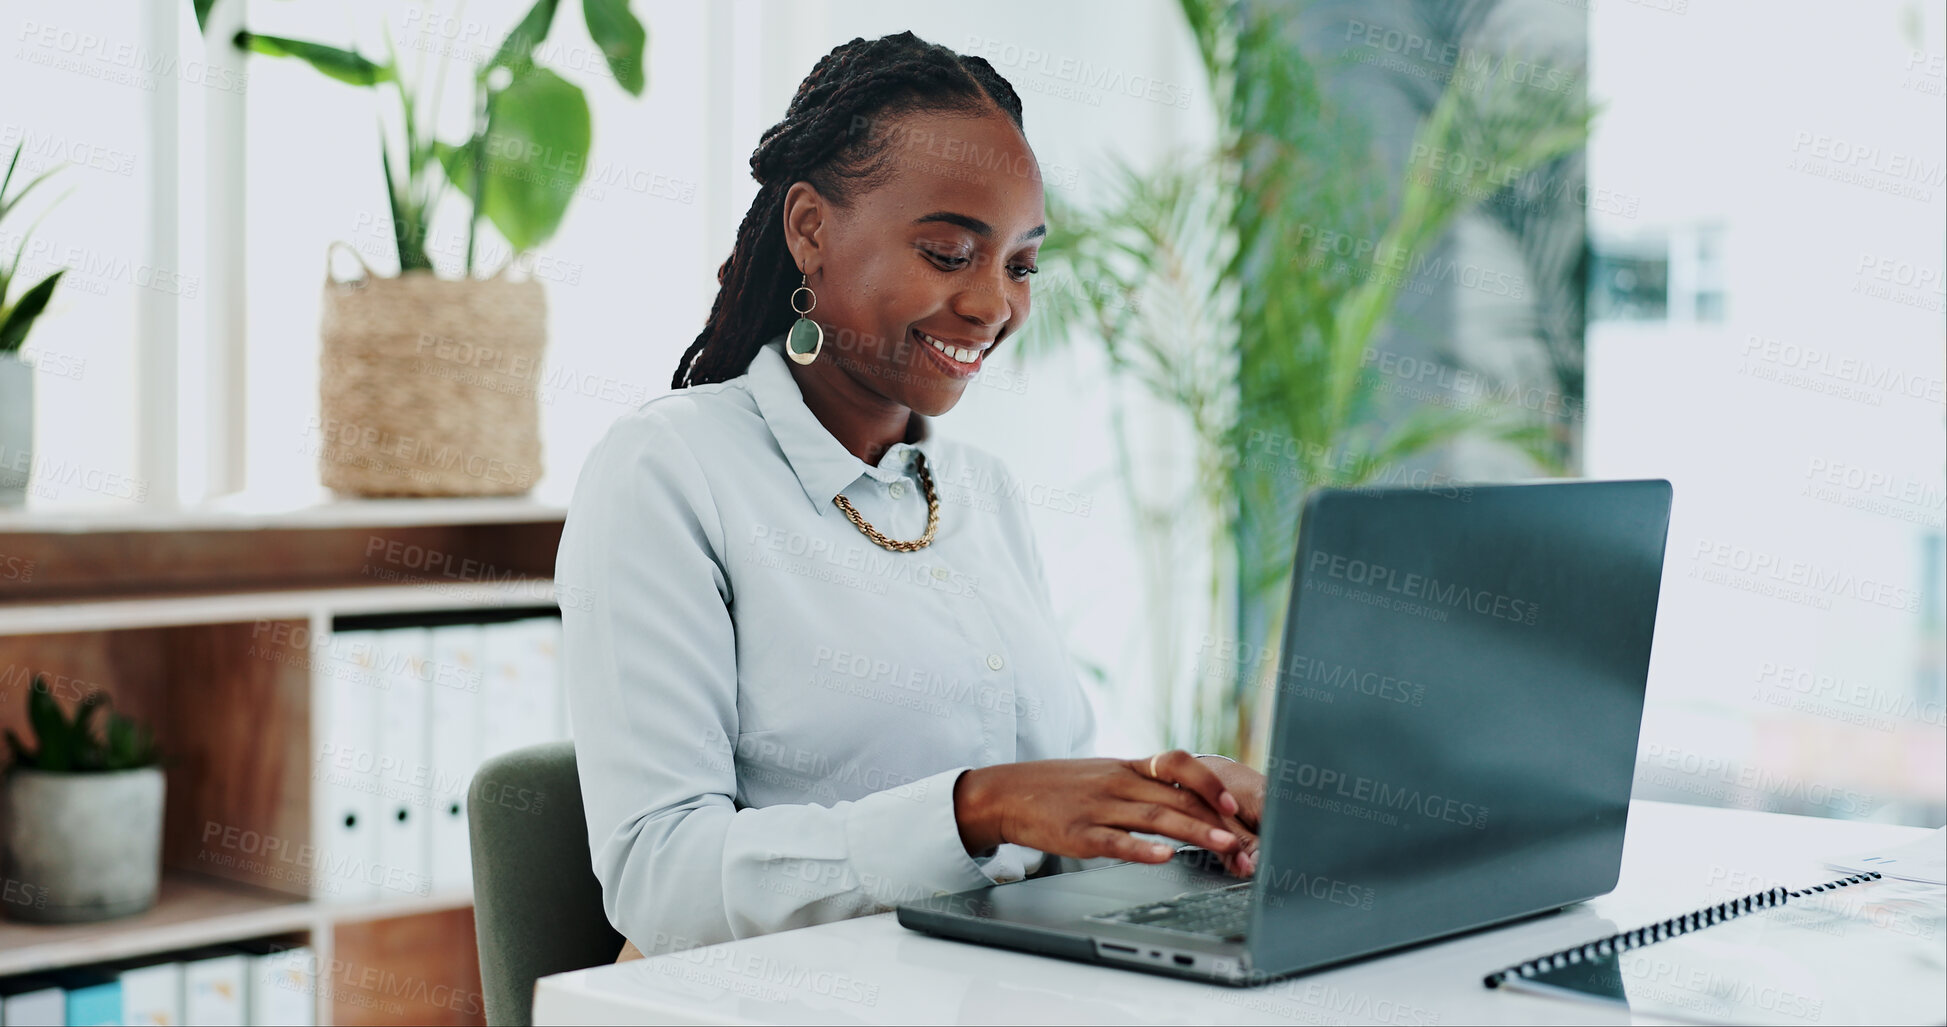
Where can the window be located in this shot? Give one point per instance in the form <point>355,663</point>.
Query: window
<point>1791,390</point>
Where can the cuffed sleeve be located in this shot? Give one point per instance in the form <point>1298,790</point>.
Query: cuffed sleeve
<point>894,832</point>
<point>649,651</point>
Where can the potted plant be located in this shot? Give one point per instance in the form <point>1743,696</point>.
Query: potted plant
<point>405,406</point>
<point>83,825</point>
<point>17,317</point>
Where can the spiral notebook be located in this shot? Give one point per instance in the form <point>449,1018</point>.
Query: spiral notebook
<point>1860,949</point>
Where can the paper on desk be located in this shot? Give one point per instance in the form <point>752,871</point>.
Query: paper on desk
<point>1864,954</point>
<point>1924,860</point>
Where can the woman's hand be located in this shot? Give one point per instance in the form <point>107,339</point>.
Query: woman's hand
<point>1244,783</point>
<point>1248,786</point>
<point>1086,808</point>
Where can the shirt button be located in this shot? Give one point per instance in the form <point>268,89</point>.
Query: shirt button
<point>940,573</point>
<point>898,490</point>
<point>994,661</point>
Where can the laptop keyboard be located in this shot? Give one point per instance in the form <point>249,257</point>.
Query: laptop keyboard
<point>1219,913</point>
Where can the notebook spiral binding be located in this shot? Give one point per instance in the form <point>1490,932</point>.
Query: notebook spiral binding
<point>1666,929</point>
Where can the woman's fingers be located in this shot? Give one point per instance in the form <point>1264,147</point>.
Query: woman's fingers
<point>1089,807</point>
<point>1159,819</point>
<point>1119,844</point>
<point>1189,803</point>
<point>1163,793</point>
<point>1245,784</point>
<point>1179,767</point>
<point>1194,769</point>
<point>1143,788</point>
<point>1237,827</point>
<point>1243,862</point>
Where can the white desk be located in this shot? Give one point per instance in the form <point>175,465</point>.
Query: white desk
<point>871,970</point>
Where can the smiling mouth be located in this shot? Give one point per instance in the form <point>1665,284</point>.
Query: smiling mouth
<point>960,361</point>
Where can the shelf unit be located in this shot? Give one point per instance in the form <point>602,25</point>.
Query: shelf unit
<point>209,624</point>
<point>191,911</point>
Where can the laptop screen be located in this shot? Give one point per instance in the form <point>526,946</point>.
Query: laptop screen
<point>1457,702</point>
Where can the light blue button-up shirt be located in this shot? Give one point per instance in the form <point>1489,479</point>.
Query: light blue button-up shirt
<point>770,710</point>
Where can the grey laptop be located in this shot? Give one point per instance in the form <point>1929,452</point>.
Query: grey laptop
<point>1457,705</point>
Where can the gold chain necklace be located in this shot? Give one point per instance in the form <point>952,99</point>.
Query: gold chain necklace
<point>932,514</point>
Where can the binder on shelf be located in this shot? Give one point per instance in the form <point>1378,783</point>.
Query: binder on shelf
<point>283,984</point>
<point>152,993</point>
<point>540,649</point>
<point>455,746</point>
<point>498,684</point>
<point>345,804</point>
<point>517,698</point>
<point>213,987</point>
<point>38,1001</point>
<point>94,998</point>
<point>404,763</point>
<point>556,683</point>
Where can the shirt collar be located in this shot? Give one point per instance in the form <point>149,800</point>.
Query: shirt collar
<point>823,465</point>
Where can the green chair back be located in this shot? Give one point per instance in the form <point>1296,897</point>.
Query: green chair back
<point>537,907</point>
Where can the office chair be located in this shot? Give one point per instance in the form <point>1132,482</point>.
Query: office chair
<point>537,907</point>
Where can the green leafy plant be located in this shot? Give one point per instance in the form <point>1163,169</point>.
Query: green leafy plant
<point>528,149</point>
<point>1205,285</point>
<point>72,745</point>
<point>18,317</point>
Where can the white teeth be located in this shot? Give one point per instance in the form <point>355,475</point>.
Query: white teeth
<point>958,353</point>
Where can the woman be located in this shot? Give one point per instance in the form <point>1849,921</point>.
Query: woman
<point>817,673</point>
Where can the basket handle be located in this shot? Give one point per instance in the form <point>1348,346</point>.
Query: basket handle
<point>334,247</point>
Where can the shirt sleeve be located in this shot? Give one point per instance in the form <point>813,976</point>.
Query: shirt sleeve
<point>649,654</point>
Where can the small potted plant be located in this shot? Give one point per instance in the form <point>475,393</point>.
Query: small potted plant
<point>82,835</point>
<point>18,311</point>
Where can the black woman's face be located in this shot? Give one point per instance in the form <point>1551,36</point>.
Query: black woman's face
<point>923,275</point>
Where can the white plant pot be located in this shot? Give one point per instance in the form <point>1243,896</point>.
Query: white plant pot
<point>16,427</point>
<point>81,846</point>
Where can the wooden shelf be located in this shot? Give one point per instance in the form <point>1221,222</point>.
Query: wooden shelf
<point>191,911</point>
<point>51,616</point>
<point>206,623</point>
<point>243,513</point>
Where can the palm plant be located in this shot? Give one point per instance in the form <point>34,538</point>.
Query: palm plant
<point>1207,286</point>
<point>524,159</point>
<point>18,317</point>
<point>1548,229</point>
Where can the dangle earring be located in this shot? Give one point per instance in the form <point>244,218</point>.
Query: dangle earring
<point>806,338</point>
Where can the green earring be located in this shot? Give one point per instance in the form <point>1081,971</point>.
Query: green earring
<point>806,338</point>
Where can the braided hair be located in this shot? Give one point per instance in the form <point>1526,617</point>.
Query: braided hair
<point>826,139</point>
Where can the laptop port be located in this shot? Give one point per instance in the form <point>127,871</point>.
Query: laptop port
<point>1112,947</point>
<point>1182,960</point>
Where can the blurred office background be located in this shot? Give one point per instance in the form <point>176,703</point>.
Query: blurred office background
<point>1734,281</point>
<point>1764,307</point>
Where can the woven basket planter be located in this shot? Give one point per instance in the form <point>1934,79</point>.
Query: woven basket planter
<point>430,387</point>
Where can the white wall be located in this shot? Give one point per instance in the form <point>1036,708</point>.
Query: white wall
<point>78,80</point>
